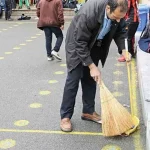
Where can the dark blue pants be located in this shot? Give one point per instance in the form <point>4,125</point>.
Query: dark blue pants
<point>80,73</point>
<point>48,36</point>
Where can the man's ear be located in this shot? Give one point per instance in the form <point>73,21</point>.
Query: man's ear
<point>107,7</point>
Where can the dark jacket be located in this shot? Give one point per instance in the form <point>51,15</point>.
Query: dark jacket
<point>50,13</point>
<point>83,31</point>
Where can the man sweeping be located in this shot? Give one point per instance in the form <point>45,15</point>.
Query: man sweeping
<point>88,40</point>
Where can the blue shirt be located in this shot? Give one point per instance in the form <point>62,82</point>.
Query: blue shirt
<point>106,27</point>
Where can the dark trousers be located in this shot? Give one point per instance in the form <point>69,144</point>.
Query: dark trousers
<point>8,9</point>
<point>80,73</point>
<point>48,36</point>
<point>132,27</point>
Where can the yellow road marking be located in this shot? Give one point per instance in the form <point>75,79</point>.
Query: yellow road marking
<point>21,123</point>
<point>44,92</point>
<point>7,143</point>
<point>22,44</point>
<point>1,58</point>
<point>118,72</point>
<point>133,101</point>
<point>117,94</point>
<point>7,53</point>
<point>28,40</point>
<point>16,48</point>
<point>51,132</point>
<point>59,72</point>
<point>53,81</point>
<point>35,105</point>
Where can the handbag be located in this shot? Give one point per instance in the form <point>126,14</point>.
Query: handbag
<point>144,42</point>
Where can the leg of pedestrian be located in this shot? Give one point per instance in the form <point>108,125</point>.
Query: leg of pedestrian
<point>69,96</point>
<point>59,35</point>
<point>48,38</point>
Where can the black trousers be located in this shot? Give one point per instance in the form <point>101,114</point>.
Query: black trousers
<point>48,36</point>
<point>132,27</point>
<point>8,9</point>
<point>80,73</point>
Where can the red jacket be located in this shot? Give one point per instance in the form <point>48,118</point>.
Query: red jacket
<point>50,13</point>
<point>132,10</point>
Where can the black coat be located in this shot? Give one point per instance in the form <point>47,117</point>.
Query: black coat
<point>84,30</point>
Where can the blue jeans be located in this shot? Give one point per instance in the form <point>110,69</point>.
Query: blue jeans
<point>48,36</point>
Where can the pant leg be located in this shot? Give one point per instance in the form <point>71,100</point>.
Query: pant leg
<point>70,92</point>
<point>132,27</point>
<point>27,3</point>
<point>48,38</point>
<point>89,85</point>
<point>8,9</point>
<point>20,3</point>
<point>59,35</point>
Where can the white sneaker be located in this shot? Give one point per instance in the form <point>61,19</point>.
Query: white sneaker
<point>50,58</point>
<point>56,55</point>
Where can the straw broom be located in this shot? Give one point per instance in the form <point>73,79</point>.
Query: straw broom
<point>116,120</point>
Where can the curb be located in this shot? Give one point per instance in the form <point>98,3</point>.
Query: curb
<point>143,67</point>
<point>148,133</point>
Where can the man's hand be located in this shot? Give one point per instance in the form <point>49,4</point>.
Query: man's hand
<point>62,27</point>
<point>127,55</point>
<point>95,73</point>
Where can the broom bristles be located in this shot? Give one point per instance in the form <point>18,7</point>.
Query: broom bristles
<point>115,118</point>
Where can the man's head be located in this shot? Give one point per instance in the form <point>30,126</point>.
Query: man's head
<point>116,9</point>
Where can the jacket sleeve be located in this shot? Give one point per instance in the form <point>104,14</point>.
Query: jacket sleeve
<point>60,12</point>
<point>82,36</point>
<point>120,36</point>
<point>38,10</point>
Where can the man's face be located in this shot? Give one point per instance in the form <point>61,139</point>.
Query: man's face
<point>116,14</point>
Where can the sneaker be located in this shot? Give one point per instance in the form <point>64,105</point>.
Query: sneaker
<point>50,58</point>
<point>56,55</point>
<point>10,19</point>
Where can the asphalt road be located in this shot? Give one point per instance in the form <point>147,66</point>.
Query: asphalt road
<point>31,94</point>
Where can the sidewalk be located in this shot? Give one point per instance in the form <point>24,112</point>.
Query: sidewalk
<point>143,66</point>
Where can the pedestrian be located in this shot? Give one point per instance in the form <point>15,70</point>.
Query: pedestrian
<point>132,20</point>
<point>21,3</point>
<point>51,20</point>
<point>87,41</point>
<point>8,10</point>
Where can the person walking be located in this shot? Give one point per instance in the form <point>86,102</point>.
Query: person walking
<point>132,20</point>
<point>87,41</point>
<point>21,3</point>
<point>8,10</point>
<point>51,20</point>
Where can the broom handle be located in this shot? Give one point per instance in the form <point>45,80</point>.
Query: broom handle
<point>128,71</point>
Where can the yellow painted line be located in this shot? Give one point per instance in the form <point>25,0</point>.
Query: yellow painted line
<point>7,53</point>
<point>21,123</point>
<point>28,40</point>
<point>4,29</point>
<point>22,44</point>
<point>132,78</point>
<point>50,132</point>
<point>7,143</point>
<point>1,58</point>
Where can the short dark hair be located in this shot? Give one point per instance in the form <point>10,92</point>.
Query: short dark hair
<point>123,4</point>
